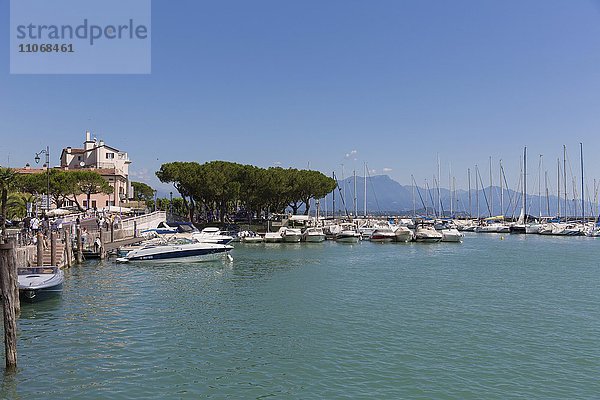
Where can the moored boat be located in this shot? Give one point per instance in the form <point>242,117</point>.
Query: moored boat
<point>451,235</point>
<point>38,283</point>
<point>290,235</point>
<point>347,234</point>
<point>403,234</point>
<point>313,235</point>
<point>427,234</point>
<point>382,235</point>
<point>212,235</point>
<point>177,251</point>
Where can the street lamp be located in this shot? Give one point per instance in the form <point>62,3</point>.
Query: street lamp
<point>37,161</point>
<point>171,205</point>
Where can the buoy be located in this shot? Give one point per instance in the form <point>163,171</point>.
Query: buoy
<point>501,237</point>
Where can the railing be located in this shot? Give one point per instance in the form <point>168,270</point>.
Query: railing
<point>145,221</point>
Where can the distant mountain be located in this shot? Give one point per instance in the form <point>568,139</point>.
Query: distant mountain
<point>386,196</point>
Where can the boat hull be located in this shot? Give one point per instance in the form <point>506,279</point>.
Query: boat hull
<point>314,238</point>
<point>179,253</point>
<point>347,238</point>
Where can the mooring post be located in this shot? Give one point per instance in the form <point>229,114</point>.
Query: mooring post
<point>112,232</point>
<point>68,251</point>
<point>134,229</point>
<point>52,248</point>
<point>40,249</point>
<point>102,252</point>
<point>8,262</point>
<point>79,246</point>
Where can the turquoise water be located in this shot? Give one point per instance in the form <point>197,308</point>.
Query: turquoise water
<point>488,318</point>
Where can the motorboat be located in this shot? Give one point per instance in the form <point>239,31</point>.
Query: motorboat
<point>560,229</point>
<point>347,233</point>
<point>212,235</point>
<point>382,235</point>
<point>424,233</point>
<point>403,234</point>
<point>273,237</point>
<point>38,283</point>
<point>290,235</point>
<point>250,237</point>
<point>181,250</point>
<point>451,235</point>
<point>493,228</point>
<point>313,235</point>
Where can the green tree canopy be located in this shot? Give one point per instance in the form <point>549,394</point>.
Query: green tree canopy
<point>221,187</point>
<point>142,191</point>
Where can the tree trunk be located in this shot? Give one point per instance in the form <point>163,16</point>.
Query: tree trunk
<point>3,211</point>
<point>307,206</point>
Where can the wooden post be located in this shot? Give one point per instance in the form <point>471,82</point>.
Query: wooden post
<point>134,229</point>
<point>79,246</point>
<point>68,248</point>
<point>52,248</point>
<point>102,252</point>
<point>8,262</point>
<point>40,249</point>
<point>112,232</point>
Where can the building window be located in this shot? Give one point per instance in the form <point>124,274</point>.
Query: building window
<point>94,203</point>
<point>78,158</point>
<point>110,156</point>
<point>85,203</point>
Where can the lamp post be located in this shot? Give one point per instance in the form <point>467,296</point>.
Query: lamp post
<point>171,205</point>
<point>37,161</point>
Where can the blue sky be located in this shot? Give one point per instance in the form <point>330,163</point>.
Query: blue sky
<point>324,83</point>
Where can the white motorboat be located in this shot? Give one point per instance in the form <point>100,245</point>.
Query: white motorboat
<point>403,234</point>
<point>313,235</point>
<point>425,233</point>
<point>451,235</point>
<point>273,237</point>
<point>347,233</point>
<point>493,228</point>
<point>290,235</point>
<point>38,283</point>
<point>212,235</point>
<point>181,250</point>
<point>250,237</point>
<point>382,235</point>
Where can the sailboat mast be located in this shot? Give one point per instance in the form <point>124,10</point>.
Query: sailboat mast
<point>582,188</point>
<point>477,190</point>
<point>501,191</point>
<point>491,186</point>
<point>333,197</point>
<point>558,187</point>
<point>439,182</point>
<point>525,183</point>
<point>454,193</point>
<point>469,178</point>
<point>547,197</point>
<point>565,179</point>
<point>450,189</point>
<point>540,187</point>
<point>355,205</point>
<point>365,190</point>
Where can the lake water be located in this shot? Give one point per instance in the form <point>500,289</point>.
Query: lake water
<point>488,318</point>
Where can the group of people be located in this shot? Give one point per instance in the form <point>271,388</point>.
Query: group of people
<point>33,225</point>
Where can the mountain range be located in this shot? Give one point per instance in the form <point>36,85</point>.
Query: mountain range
<point>386,196</point>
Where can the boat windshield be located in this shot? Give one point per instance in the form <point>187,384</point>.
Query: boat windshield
<point>37,270</point>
